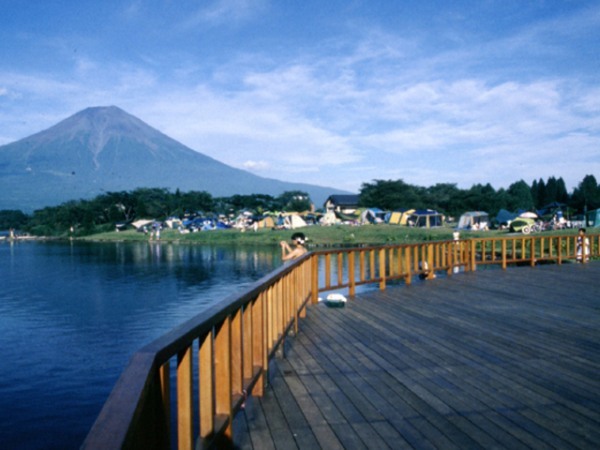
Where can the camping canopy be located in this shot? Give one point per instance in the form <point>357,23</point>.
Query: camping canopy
<point>473,220</point>
<point>426,218</point>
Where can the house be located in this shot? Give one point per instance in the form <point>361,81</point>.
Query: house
<point>345,204</point>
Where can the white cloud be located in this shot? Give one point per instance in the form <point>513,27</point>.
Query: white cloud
<point>225,11</point>
<point>256,166</point>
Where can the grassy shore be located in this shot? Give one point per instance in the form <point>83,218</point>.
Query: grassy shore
<point>318,237</point>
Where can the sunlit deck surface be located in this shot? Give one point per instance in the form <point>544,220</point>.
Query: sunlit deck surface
<point>492,359</point>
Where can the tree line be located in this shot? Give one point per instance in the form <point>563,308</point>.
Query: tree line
<point>104,211</point>
<point>396,195</point>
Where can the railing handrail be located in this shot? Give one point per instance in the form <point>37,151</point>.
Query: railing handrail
<point>257,319</point>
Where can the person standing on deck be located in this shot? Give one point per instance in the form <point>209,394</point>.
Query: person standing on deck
<point>287,253</point>
<point>583,246</point>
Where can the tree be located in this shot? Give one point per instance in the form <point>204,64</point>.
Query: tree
<point>519,196</point>
<point>484,198</point>
<point>390,195</point>
<point>14,219</point>
<point>295,201</point>
<point>586,195</point>
<point>535,191</point>
<point>444,197</point>
<point>562,196</point>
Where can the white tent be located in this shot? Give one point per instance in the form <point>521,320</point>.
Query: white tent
<point>291,221</point>
<point>141,223</point>
<point>474,220</point>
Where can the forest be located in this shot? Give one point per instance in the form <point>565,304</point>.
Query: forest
<point>104,211</point>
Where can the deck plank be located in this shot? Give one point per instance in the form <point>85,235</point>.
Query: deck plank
<point>491,359</point>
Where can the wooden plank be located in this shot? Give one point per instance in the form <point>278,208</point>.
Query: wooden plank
<point>491,359</point>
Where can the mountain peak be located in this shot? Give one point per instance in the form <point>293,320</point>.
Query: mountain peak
<point>104,149</point>
<point>98,119</point>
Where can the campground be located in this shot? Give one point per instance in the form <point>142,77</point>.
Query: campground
<point>318,236</point>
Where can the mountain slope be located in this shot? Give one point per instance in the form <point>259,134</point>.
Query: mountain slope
<point>105,149</point>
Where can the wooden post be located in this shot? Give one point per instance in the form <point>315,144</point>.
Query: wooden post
<point>472,259</point>
<point>259,353</point>
<point>223,373</point>
<point>340,268</point>
<point>315,279</point>
<point>382,269</point>
<point>185,438</point>
<point>327,270</point>
<point>504,254</point>
<point>165,390</point>
<point>362,265</point>
<point>351,275</point>
<point>247,349</point>
<point>206,386</point>
<point>236,354</point>
<point>407,266</point>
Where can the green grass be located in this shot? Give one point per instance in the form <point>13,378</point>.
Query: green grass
<point>318,236</point>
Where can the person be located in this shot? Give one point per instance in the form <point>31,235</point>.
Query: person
<point>583,246</point>
<point>298,240</point>
<point>425,274</point>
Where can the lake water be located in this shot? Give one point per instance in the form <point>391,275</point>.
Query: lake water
<point>72,314</point>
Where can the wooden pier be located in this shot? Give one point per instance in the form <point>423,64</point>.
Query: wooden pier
<point>491,359</point>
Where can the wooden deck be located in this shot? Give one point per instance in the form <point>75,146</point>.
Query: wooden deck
<point>492,359</point>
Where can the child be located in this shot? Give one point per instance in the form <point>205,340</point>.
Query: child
<point>583,246</point>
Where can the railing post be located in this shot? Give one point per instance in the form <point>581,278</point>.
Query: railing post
<point>315,279</point>
<point>504,254</point>
<point>259,358</point>
<point>407,266</point>
<point>382,269</point>
<point>237,375</point>
<point>340,268</point>
<point>223,374</point>
<point>351,275</point>
<point>247,332</point>
<point>165,388</point>
<point>472,256</point>
<point>185,436</point>
<point>430,261</point>
<point>206,386</point>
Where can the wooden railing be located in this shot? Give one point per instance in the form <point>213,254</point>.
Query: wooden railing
<point>184,389</point>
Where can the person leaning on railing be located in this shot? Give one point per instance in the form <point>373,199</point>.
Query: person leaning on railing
<point>287,252</point>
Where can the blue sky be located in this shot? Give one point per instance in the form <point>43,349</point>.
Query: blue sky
<point>334,93</point>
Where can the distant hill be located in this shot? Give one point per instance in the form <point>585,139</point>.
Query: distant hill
<point>105,149</point>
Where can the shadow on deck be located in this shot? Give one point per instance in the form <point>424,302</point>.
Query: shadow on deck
<point>492,359</point>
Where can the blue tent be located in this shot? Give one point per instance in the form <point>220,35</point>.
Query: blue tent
<point>592,218</point>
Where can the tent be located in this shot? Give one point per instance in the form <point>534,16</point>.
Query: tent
<point>292,221</point>
<point>592,218</point>
<point>141,223</point>
<point>329,218</point>
<point>474,220</point>
<point>426,218</point>
<point>266,222</point>
<point>395,218</point>
<point>405,216</point>
<point>372,215</point>
<point>504,217</point>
